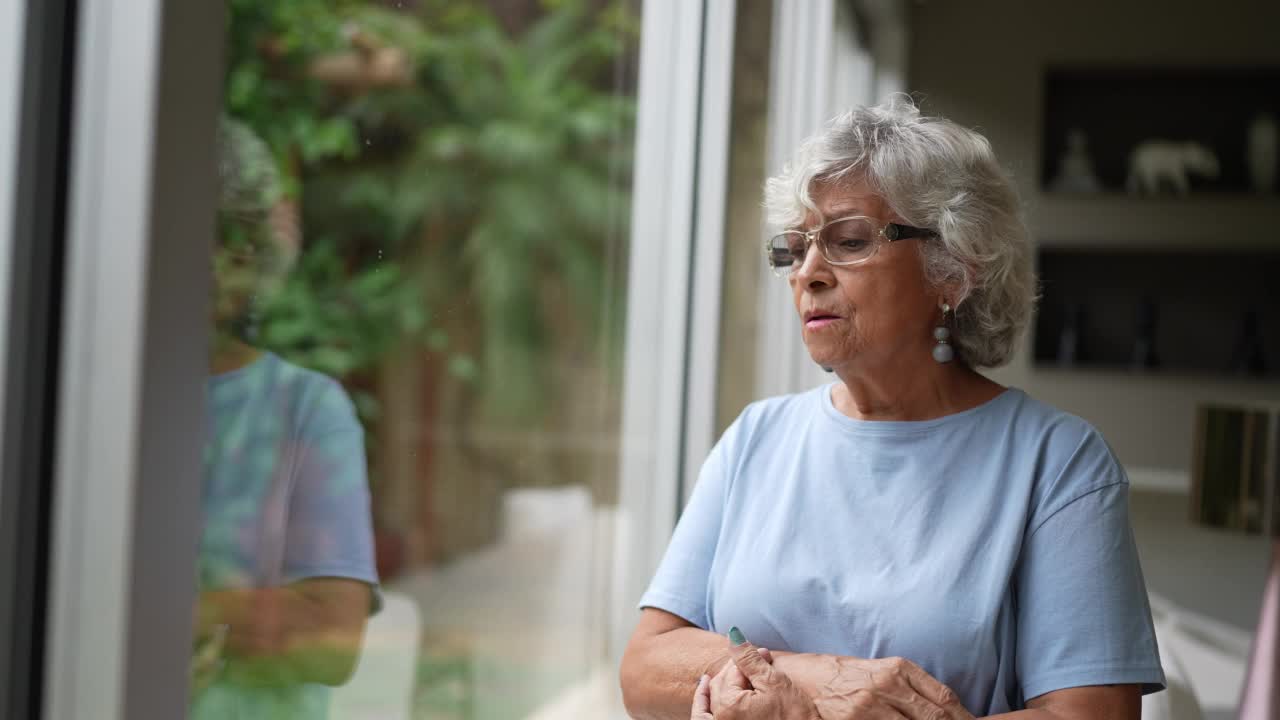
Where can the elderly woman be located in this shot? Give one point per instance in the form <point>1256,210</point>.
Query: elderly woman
<point>286,569</point>
<point>913,540</point>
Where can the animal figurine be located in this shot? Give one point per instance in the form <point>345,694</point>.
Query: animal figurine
<point>1154,164</point>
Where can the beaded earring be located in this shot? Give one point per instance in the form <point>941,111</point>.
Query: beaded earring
<point>942,352</point>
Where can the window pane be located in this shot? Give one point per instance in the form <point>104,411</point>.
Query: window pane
<point>410,482</point>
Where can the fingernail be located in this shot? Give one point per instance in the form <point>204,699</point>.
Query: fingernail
<point>736,637</point>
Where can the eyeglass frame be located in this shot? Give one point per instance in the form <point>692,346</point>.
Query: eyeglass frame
<point>891,232</point>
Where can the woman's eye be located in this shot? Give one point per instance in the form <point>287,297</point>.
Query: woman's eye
<point>851,243</point>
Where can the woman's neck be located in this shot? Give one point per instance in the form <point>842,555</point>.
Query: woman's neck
<point>230,353</point>
<point>921,393</point>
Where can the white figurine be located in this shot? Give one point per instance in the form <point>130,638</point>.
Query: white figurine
<point>1075,168</point>
<point>1156,162</point>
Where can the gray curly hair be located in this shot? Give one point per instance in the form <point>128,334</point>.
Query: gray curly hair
<point>932,173</point>
<point>251,191</point>
<point>248,181</point>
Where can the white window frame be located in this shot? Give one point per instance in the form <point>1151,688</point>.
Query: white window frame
<point>148,80</point>
<point>36,110</point>
<point>12,46</point>
<point>148,75</point>
<point>12,22</point>
<point>709,225</point>
<point>673,299</point>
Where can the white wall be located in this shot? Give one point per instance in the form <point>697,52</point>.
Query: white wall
<point>982,63</point>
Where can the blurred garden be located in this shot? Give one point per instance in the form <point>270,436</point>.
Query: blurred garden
<point>458,171</point>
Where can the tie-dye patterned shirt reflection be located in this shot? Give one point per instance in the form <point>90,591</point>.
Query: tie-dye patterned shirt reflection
<point>285,498</point>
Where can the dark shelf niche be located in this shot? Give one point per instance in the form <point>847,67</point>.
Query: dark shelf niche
<point>1118,107</point>
<point>1200,302</point>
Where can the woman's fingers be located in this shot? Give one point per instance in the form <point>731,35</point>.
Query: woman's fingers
<point>702,700</point>
<point>735,679</point>
<point>934,691</point>
<point>879,705</point>
<point>910,704</point>
<point>748,659</point>
<point>721,693</point>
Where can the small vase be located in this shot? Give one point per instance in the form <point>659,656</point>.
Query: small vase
<point>1069,346</point>
<point>1262,152</point>
<point>1143,354</point>
<point>1248,355</point>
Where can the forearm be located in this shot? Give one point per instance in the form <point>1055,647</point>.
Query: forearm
<point>831,680</point>
<point>283,635</point>
<point>660,673</point>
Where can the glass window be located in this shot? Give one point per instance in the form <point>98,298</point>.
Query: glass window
<point>420,270</point>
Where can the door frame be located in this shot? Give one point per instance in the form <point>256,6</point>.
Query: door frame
<point>147,95</point>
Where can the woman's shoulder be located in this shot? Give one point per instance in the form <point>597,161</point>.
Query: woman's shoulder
<point>769,423</point>
<point>318,402</point>
<point>1070,454</point>
<point>1050,428</point>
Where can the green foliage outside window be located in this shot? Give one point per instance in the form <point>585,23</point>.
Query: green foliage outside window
<point>445,167</point>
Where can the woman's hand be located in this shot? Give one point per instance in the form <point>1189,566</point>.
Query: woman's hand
<point>750,687</point>
<point>847,687</point>
<point>702,700</point>
<point>206,660</point>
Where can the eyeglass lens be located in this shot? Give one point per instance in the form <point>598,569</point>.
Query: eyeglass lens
<point>843,242</point>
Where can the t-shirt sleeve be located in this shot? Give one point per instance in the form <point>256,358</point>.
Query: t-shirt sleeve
<point>1083,614</point>
<point>680,584</point>
<point>329,531</point>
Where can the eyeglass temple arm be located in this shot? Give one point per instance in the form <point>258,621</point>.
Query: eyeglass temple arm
<point>898,231</point>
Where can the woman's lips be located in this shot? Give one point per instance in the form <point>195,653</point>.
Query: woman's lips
<point>821,321</point>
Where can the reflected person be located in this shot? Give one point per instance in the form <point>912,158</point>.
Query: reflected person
<point>286,569</point>
<point>912,540</point>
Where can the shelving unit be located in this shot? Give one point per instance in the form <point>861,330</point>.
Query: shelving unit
<point>1113,110</point>
<point>1198,223</point>
<point>1164,284</point>
<point>1191,308</point>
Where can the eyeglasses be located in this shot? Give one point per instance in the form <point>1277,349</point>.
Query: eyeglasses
<point>844,241</point>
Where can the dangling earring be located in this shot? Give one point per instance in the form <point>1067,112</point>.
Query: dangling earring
<point>942,352</point>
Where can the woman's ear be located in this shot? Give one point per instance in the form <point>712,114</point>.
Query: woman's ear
<point>286,230</point>
<point>953,294</point>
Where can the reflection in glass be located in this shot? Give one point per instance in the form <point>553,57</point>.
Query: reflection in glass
<point>286,558</point>
<point>454,190</point>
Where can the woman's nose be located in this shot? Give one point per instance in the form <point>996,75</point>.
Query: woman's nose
<point>814,270</point>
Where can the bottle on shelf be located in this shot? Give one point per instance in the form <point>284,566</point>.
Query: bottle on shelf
<point>1070,350</point>
<point>1143,355</point>
<point>1248,355</point>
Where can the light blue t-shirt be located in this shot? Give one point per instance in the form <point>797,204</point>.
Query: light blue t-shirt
<point>286,498</point>
<point>992,547</point>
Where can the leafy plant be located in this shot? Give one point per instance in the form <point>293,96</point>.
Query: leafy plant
<point>493,181</point>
